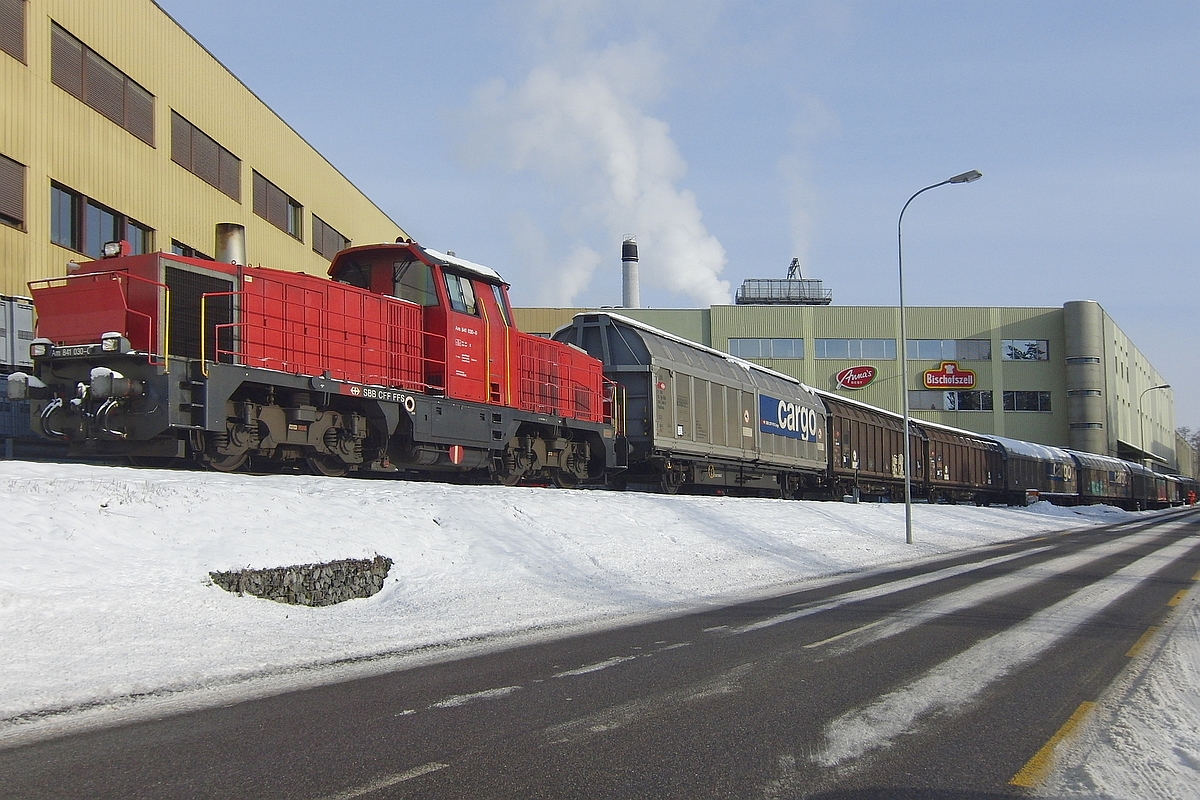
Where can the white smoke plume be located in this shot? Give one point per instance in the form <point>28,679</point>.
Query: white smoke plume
<point>580,128</point>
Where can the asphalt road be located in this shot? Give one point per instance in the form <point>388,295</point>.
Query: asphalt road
<point>939,680</point>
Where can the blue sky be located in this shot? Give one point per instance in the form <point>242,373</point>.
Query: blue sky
<point>530,135</point>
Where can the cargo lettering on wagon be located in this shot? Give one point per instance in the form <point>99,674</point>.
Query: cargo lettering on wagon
<point>785,418</point>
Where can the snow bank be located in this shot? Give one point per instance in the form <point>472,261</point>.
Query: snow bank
<point>105,596</point>
<point>104,588</point>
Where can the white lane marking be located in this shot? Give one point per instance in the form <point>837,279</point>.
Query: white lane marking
<point>958,680</point>
<point>980,593</point>
<point>385,782</point>
<point>619,716</point>
<point>612,662</point>
<point>462,699</point>
<point>884,589</point>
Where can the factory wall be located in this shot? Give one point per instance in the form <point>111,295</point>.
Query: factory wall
<point>1026,381</point>
<point>156,137</point>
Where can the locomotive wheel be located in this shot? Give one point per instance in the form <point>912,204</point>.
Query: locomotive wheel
<point>509,478</point>
<point>226,463</point>
<point>564,479</point>
<point>327,466</point>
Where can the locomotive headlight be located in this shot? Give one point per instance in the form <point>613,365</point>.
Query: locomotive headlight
<point>114,342</point>
<point>40,348</point>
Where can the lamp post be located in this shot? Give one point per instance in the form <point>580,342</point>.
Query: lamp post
<point>1141,425</point>
<point>965,177</point>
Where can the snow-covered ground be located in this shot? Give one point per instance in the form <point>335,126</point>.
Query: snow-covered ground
<point>106,608</point>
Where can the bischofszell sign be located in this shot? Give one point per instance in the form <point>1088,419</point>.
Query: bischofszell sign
<point>785,418</point>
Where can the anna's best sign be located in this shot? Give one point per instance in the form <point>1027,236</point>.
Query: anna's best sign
<point>949,376</point>
<point>855,377</point>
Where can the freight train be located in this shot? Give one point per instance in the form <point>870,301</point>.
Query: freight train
<point>406,361</point>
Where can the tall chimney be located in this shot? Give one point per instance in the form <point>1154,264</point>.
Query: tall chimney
<point>631,292</point>
<point>231,243</point>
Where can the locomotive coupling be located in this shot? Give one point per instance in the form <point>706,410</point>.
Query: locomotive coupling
<point>108,383</point>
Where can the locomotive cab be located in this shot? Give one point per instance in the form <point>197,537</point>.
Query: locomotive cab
<point>467,320</point>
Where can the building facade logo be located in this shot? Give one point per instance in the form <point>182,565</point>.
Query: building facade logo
<point>949,376</point>
<point>856,377</point>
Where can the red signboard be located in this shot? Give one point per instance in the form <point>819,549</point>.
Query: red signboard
<point>856,377</point>
<point>949,376</point>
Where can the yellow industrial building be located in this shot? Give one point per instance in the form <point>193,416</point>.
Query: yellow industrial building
<point>117,124</point>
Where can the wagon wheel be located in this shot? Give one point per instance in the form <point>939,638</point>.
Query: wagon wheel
<point>327,466</point>
<point>671,481</point>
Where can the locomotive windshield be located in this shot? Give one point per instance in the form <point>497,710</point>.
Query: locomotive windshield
<point>414,281</point>
<point>354,273</point>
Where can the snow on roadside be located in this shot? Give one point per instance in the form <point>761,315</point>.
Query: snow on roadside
<point>104,589</point>
<point>1143,739</point>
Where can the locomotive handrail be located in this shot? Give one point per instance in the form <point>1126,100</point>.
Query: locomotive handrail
<point>382,377</point>
<point>122,278</point>
<point>216,344</point>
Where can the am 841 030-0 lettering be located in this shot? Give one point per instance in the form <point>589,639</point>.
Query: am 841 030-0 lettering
<point>406,361</point>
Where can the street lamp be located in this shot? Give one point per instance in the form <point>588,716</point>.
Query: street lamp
<point>1141,425</point>
<point>966,177</point>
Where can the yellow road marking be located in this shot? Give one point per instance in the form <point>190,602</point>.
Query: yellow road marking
<point>1140,643</point>
<point>1196,577</point>
<point>1178,598</point>
<point>1037,768</point>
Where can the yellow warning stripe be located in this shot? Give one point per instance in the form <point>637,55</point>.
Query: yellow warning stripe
<point>1178,598</point>
<point>1141,643</point>
<point>1037,768</point>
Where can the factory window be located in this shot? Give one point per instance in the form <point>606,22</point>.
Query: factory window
<point>974,400</point>
<point>12,192</point>
<point>327,241</point>
<point>1087,425</point>
<point>80,71</point>
<point>884,349</point>
<point>181,249</point>
<point>276,207</point>
<point>949,350</point>
<point>83,225</point>
<point>1026,401</point>
<point>1025,350</point>
<point>1084,393</point>
<point>199,154</point>
<point>767,348</point>
<point>12,28</point>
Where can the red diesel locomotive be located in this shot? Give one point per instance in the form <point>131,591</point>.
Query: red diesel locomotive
<point>406,360</point>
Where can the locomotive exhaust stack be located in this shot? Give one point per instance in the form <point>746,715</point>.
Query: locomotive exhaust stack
<point>231,243</point>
